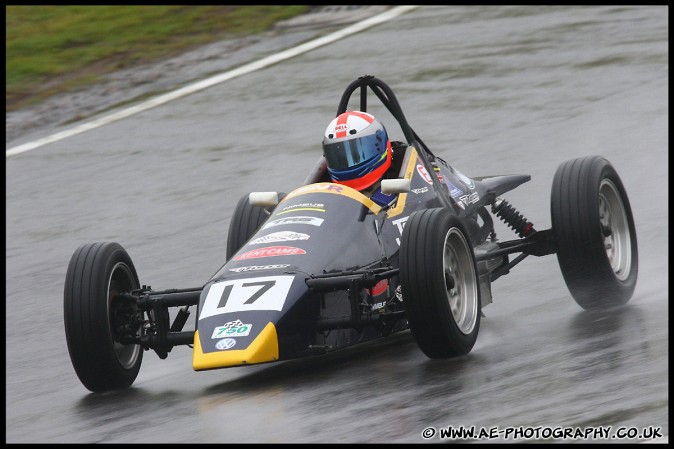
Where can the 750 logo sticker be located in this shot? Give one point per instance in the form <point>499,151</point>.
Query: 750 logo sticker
<point>232,329</point>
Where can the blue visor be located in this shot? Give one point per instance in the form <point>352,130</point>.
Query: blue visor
<point>350,153</point>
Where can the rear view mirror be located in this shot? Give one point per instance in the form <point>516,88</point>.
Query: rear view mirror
<point>263,199</point>
<point>389,186</point>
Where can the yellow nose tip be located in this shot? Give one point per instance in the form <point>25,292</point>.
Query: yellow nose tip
<point>263,349</point>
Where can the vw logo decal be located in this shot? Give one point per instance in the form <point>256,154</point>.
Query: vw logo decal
<point>226,343</point>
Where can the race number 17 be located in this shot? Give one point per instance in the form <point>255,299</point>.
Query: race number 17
<point>240,295</point>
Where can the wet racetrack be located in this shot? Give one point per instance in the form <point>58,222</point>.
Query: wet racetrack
<point>492,90</point>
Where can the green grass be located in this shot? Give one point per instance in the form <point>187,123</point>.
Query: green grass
<point>51,49</point>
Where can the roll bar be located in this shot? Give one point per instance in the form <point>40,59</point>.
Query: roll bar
<point>388,99</point>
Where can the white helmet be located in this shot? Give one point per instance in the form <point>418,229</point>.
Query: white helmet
<point>357,149</point>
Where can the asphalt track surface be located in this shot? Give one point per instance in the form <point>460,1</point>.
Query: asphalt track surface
<point>492,90</point>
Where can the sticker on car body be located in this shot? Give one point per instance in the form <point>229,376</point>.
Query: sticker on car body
<point>420,191</point>
<point>227,343</point>
<point>424,174</point>
<point>242,295</point>
<point>470,199</point>
<point>232,329</point>
<point>259,267</point>
<point>454,191</point>
<point>271,251</point>
<point>313,221</point>
<point>281,236</point>
<point>400,224</point>
<point>315,207</point>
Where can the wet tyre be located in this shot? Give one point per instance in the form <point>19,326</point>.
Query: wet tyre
<point>95,317</point>
<point>439,283</point>
<point>246,220</point>
<point>594,232</point>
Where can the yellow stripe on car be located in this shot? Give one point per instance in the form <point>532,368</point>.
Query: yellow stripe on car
<point>336,189</point>
<point>340,189</point>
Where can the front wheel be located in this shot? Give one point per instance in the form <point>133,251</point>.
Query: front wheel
<point>97,320</point>
<point>439,283</point>
<point>246,220</point>
<point>594,231</point>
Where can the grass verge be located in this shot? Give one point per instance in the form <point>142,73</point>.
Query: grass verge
<point>53,49</point>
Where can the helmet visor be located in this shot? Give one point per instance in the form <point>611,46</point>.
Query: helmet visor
<point>349,153</point>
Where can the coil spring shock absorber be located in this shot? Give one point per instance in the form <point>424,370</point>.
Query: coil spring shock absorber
<point>512,218</point>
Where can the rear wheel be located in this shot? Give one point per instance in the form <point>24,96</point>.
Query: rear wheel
<point>439,282</point>
<point>595,234</point>
<point>97,320</point>
<point>246,220</point>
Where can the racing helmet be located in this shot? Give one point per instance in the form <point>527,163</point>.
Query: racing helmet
<point>357,149</point>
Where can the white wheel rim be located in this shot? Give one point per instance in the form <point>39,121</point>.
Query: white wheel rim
<point>460,280</point>
<point>615,229</point>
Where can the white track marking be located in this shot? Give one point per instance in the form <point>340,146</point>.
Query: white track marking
<point>204,84</point>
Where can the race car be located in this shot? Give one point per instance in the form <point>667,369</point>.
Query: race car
<point>324,267</point>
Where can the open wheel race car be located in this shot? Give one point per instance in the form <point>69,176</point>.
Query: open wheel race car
<point>323,267</point>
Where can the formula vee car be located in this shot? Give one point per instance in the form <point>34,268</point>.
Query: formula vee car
<point>324,267</point>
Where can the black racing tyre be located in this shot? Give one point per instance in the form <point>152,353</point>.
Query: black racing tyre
<point>594,232</point>
<point>439,283</point>
<point>94,315</point>
<point>246,220</point>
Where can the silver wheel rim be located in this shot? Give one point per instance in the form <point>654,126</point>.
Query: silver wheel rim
<point>615,229</point>
<point>460,280</point>
<point>126,354</point>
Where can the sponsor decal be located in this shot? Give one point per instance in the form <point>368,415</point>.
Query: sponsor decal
<point>324,186</point>
<point>421,190</point>
<point>341,128</point>
<point>271,251</point>
<point>454,191</point>
<point>470,199</point>
<point>258,267</point>
<point>379,305</point>
<point>400,223</point>
<point>399,294</point>
<point>313,221</point>
<point>466,179</point>
<point>314,209</point>
<point>424,174</point>
<point>226,343</point>
<point>232,329</point>
<point>281,236</point>
<point>243,295</point>
<point>436,169</point>
<point>318,207</point>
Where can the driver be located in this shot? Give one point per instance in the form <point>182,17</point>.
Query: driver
<point>358,154</point>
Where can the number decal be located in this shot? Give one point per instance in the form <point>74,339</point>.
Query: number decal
<point>225,296</point>
<point>241,295</point>
<point>265,288</point>
<point>228,290</point>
